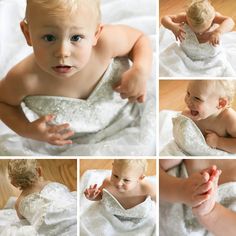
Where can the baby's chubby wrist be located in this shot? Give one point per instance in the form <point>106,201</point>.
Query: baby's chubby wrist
<point>141,70</point>
<point>204,218</point>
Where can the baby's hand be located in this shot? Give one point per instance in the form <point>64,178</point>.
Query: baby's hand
<point>214,38</point>
<point>193,187</point>
<point>211,139</point>
<point>132,85</point>
<point>178,31</point>
<point>207,206</point>
<point>54,134</point>
<point>92,193</point>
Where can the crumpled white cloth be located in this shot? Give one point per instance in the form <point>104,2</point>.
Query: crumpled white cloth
<point>178,220</point>
<point>138,138</point>
<point>190,58</point>
<point>52,212</point>
<point>107,217</point>
<point>188,140</point>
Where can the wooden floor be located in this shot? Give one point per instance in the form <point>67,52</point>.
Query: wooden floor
<point>227,8</point>
<point>107,165</point>
<point>62,171</point>
<point>172,93</point>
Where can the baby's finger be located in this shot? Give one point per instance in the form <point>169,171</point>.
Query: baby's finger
<point>94,186</point>
<point>204,188</point>
<point>65,135</point>
<point>132,99</point>
<point>141,98</point>
<point>124,95</point>
<point>59,142</point>
<point>58,128</point>
<point>199,199</point>
<point>47,118</point>
<point>117,89</point>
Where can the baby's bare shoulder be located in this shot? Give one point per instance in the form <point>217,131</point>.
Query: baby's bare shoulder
<point>148,189</point>
<point>18,82</point>
<point>229,115</point>
<point>229,118</point>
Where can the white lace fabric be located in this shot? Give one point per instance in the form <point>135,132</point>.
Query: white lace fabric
<point>135,214</point>
<point>190,139</point>
<point>90,115</point>
<point>196,50</point>
<point>53,207</point>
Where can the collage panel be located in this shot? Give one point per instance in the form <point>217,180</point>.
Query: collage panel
<point>118,197</point>
<point>85,77</point>
<point>197,117</point>
<point>197,38</point>
<point>38,197</point>
<point>197,197</point>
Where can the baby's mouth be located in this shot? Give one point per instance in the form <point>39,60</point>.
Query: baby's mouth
<point>62,68</point>
<point>194,113</point>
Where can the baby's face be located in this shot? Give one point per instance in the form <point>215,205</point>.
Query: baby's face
<point>62,44</point>
<point>125,178</point>
<point>202,100</point>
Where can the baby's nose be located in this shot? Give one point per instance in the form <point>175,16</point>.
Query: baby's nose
<point>63,50</point>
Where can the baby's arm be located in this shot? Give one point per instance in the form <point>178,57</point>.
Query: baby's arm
<point>175,23</point>
<point>17,208</point>
<point>226,24</point>
<point>227,144</point>
<point>126,41</point>
<point>220,221</point>
<point>213,216</point>
<point>12,92</point>
<point>173,189</point>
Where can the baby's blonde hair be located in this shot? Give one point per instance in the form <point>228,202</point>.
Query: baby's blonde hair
<point>66,7</point>
<point>200,11</point>
<point>135,163</point>
<point>224,88</point>
<point>23,172</point>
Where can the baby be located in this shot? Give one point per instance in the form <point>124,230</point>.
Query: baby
<point>41,200</point>
<point>208,103</point>
<point>126,184</point>
<point>199,190</point>
<point>201,17</point>
<point>72,52</point>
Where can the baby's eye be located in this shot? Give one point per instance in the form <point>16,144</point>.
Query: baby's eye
<point>49,37</point>
<point>126,180</point>
<point>76,38</point>
<point>115,176</point>
<point>197,99</point>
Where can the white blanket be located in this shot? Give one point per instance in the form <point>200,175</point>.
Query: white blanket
<point>11,225</point>
<point>187,138</point>
<point>138,14</point>
<point>178,220</point>
<point>96,218</point>
<point>193,59</point>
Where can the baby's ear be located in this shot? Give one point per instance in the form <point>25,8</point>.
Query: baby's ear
<point>142,177</point>
<point>97,34</point>
<point>39,170</point>
<point>223,102</point>
<point>25,30</point>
